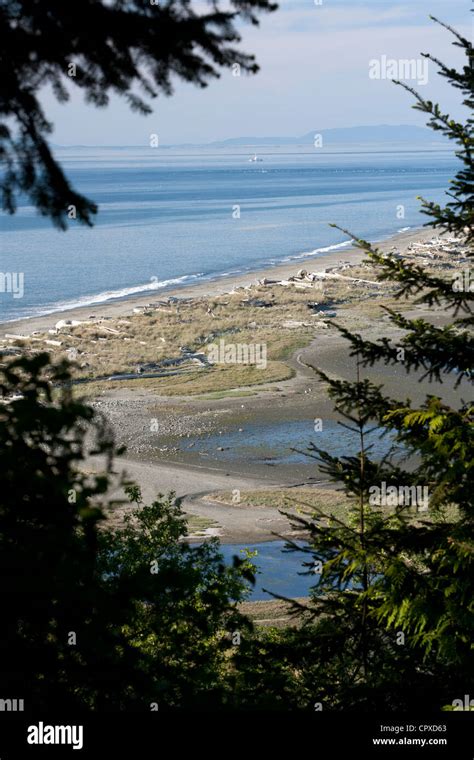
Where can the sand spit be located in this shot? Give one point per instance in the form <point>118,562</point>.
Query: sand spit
<point>145,365</point>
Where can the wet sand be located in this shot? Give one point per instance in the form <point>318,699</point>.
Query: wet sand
<point>159,468</point>
<point>194,477</point>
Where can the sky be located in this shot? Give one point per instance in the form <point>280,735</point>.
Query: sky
<point>314,58</point>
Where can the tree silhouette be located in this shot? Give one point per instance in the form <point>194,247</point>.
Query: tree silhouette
<point>390,620</point>
<point>131,48</point>
<point>421,565</point>
<point>97,618</point>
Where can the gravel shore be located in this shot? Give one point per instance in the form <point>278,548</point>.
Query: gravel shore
<point>157,429</point>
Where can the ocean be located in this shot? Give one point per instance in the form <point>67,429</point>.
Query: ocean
<point>171,217</point>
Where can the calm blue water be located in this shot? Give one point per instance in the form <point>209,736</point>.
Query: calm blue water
<point>271,443</point>
<point>277,571</point>
<point>167,217</point>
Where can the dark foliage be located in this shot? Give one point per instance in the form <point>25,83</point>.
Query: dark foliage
<point>131,48</point>
<point>95,618</point>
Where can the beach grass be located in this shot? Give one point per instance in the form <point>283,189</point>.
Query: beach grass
<point>217,395</point>
<point>112,347</point>
<point>176,331</point>
<point>201,382</point>
<point>298,499</point>
<point>198,524</point>
<point>308,501</point>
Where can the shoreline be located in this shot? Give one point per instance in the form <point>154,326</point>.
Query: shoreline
<point>218,286</point>
<point>165,457</point>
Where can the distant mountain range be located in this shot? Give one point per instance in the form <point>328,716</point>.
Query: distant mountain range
<point>384,133</point>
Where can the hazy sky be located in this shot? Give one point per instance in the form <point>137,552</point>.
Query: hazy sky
<point>314,75</point>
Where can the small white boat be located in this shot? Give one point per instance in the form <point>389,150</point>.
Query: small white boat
<point>254,159</point>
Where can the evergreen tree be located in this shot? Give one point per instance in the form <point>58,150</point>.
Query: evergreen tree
<point>391,616</point>
<point>130,48</point>
<point>95,618</point>
<point>427,586</point>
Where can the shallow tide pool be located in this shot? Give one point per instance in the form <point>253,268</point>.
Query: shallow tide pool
<point>278,571</point>
<point>272,443</point>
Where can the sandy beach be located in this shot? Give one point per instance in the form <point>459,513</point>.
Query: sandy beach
<point>218,286</point>
<point>177,436</point>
